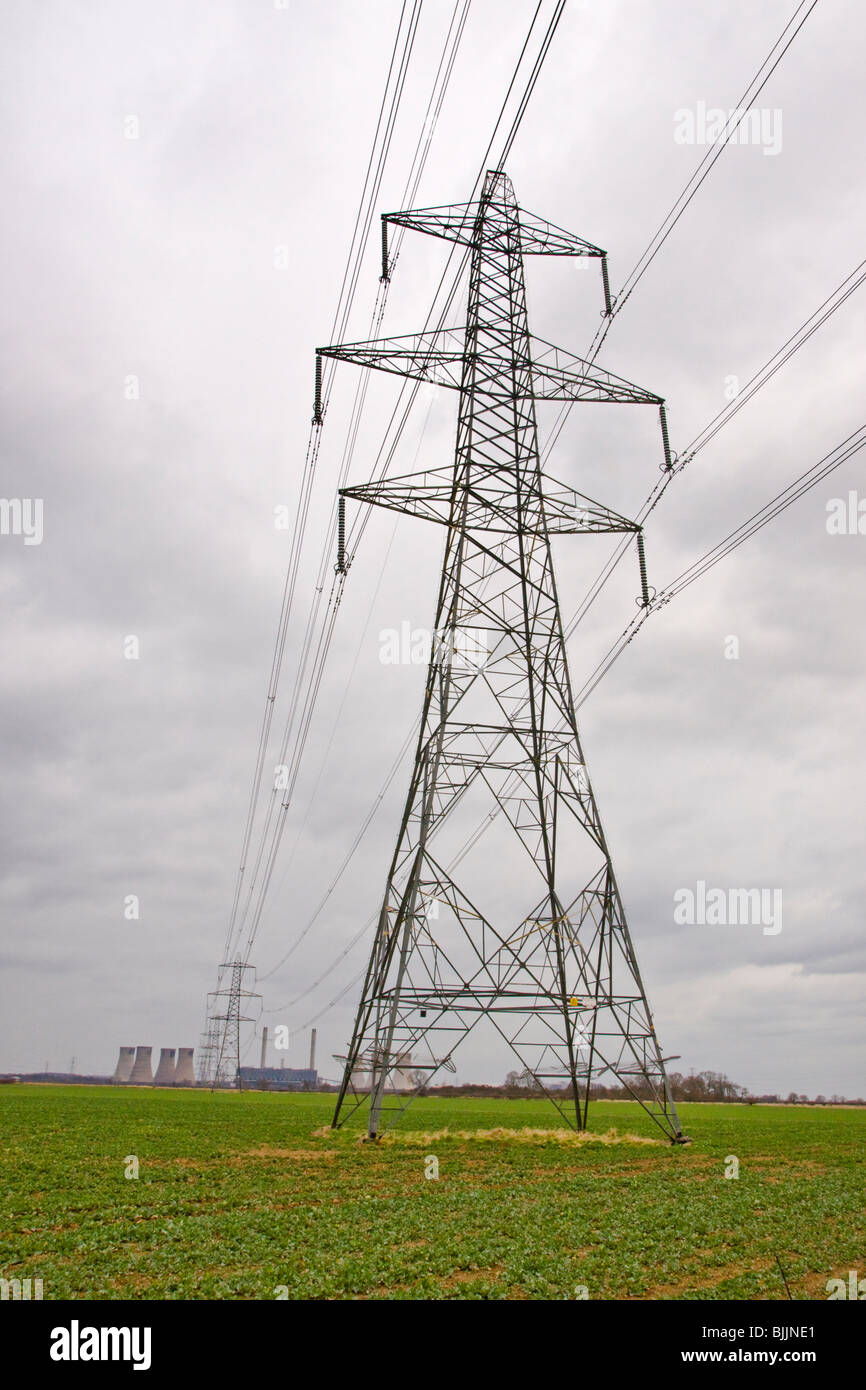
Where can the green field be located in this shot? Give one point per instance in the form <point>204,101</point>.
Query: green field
<point>239,1196</point>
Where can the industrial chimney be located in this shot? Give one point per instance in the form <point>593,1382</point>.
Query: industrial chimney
<point>123,1070</point>
<point>141,1074</point>
<point>313,1050</point>
<point>165,1070</point>
<point>264,1062</point>
<point>184,1071</point>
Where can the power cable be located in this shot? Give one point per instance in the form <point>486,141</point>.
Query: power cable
<point>654,246</point>
<point>308,637</point>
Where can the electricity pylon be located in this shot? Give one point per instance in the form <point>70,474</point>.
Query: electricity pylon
<point>545,954</point>
<point>208,1048</point>
<point>225,1041</point>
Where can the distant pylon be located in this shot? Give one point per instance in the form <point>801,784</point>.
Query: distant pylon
<point>208,1049</point>
<point>226,1013</point>
<point>551,963</point>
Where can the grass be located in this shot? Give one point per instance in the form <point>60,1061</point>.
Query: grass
<point>253,1197</point>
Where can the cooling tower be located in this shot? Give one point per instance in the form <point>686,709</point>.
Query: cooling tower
<point>141,1074</point>
<point>123,1070</point>
<point>184,1071</point>
<point>165,1070</point>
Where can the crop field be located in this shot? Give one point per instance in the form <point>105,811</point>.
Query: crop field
<point>252,1197</point>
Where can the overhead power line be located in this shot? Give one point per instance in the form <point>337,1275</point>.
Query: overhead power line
<point>751,93</point>
<point>395,80</point>
<point>714,152</point>
<point>764,515</point>
<point>839,296</point>
<point>779,358</point>
<point>398,65</point>
<point>258,886</point>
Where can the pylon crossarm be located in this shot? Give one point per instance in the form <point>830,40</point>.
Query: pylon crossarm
<point>436,356</point>
<point>428,495</point>
<point>439,357</point>
<point>457,222</point>
<point>561,375</point>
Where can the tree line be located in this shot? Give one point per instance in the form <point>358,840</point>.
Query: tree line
<point>711,1086</point>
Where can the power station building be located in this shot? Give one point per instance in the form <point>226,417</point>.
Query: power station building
<point>279,1078</point>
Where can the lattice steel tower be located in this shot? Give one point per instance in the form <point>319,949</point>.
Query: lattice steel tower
<point>224,1029</point>
<point>550,963</point>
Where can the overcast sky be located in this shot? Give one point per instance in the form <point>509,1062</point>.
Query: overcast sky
<point>159,258</point>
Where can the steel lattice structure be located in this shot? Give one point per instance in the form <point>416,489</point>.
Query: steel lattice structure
<point>208,1049</point>
<point>223,1059</point>
<point>556,972</point>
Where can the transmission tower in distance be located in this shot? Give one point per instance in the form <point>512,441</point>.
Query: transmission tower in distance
<point>224,1029</point>
<point>528,932</point>
<point>208,1047</point>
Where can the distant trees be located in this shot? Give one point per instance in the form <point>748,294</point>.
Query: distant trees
<point>697,1086</point>
<point>522,1083</point>
<point>705,1085</point>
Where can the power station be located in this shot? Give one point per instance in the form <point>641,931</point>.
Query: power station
<point>175,1067</point>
